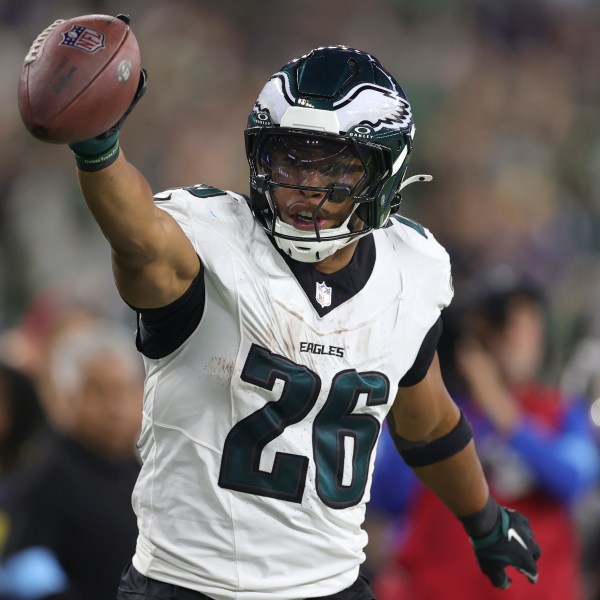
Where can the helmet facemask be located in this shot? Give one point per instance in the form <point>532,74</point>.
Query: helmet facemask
<point>338,113</point>
<point>335,168</point>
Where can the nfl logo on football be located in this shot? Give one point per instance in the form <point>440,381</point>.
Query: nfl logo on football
<point>84,38</point>
<point>323,294</point>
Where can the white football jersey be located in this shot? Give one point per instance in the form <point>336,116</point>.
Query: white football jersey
<point>259,431</point>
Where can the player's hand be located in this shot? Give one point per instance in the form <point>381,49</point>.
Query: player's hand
<point>509,544</point>
<point>90,154</point>
<point>140,91</point>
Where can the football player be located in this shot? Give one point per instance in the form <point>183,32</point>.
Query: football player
<point>279,330</point>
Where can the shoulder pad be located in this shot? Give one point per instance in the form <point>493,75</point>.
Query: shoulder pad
<point>410,223</point>
<point>204,191</point>
<point>200,191</point>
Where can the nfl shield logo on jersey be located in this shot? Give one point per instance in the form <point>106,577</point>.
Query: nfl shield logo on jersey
<point>83,38</point>
<point>323,295</point>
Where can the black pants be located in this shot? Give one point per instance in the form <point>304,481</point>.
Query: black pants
<point>135,586</point>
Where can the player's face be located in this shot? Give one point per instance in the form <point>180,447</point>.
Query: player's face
<point>310,171</point>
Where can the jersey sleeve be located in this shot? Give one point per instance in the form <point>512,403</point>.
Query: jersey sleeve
<point>176,203</point>
<point>160,331</point>
<point>426,270</point>
<point>435,290</point>
<point>424,357</point>
<point>200,211</point>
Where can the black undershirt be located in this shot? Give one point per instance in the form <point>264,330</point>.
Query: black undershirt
<point>161,331</point>
<point>344,284</point>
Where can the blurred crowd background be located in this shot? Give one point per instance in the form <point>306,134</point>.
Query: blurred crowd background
<point>506,100</point>
<point>505,97</point>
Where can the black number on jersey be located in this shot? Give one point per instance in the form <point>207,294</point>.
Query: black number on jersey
<point>343,441</point>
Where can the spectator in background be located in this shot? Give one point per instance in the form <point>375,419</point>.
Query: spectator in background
<point>69,515</point>
<point>582,376</point>
<point>537,447</point>
<point>26,345</point>
<point>21,417</point>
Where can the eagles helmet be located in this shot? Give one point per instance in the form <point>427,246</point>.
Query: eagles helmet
<point>344,104</point>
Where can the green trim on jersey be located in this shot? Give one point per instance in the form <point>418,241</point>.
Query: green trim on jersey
<point>204,191</point>
<point>412,224</point>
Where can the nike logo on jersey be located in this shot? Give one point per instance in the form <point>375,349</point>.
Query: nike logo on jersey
<point>321,349</point>
<point>512,534</point>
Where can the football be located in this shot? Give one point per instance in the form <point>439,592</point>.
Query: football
<point>78,78</point>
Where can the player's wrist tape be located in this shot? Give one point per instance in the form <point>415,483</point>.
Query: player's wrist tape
<point>97,153</point>
<point>483,522</point>
<point>421,454</point>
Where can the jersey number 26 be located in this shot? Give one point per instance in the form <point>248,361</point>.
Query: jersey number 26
<point>342,440</point>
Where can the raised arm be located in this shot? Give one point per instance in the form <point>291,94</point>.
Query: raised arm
<point>435,440</point>
<point>153,261</point>
<point>71,89</point>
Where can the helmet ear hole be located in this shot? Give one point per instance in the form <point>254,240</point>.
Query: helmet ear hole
<point>395,204</point>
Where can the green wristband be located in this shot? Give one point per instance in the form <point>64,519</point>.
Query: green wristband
<point>97,153</point>
<point>495,535</point>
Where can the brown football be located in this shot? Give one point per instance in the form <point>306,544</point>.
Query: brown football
<point>78,78</point>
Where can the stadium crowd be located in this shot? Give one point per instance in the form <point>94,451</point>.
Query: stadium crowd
<point>506,99</point>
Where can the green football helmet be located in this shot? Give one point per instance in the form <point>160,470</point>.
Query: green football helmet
<point>342,102</point>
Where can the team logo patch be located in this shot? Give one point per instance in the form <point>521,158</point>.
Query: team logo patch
<point>323,295</point>
<point>84,38</point>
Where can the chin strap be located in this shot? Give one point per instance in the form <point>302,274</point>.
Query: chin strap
<point>414,179</point>
<point>303,247</point>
